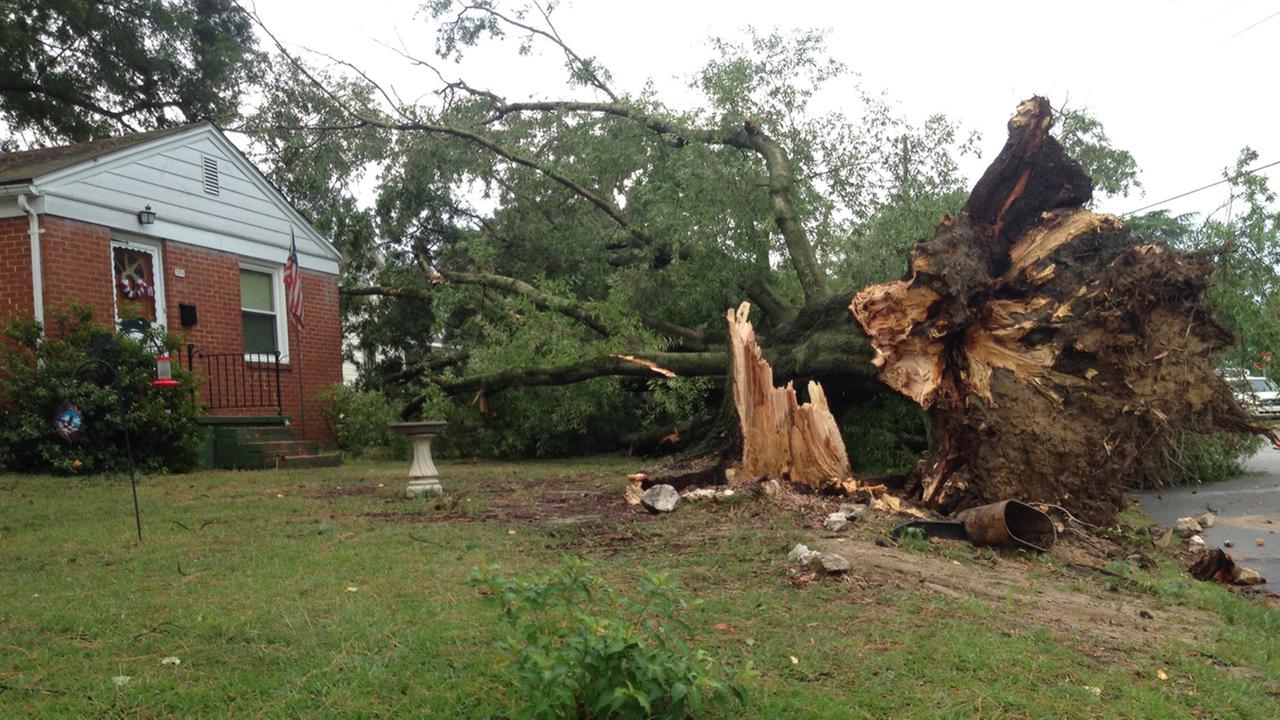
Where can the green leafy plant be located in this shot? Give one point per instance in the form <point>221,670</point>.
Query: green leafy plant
<point>582,650</point>
<point>914,539</point>
<point>360,421</point>
<point>886,434</point>
<point>38,372</point>
<point>1197,458</point>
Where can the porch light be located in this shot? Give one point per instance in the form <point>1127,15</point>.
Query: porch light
<point>164,373</point>
<point>147,216</point>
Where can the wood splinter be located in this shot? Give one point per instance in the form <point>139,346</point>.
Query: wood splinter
<point>781,437</point>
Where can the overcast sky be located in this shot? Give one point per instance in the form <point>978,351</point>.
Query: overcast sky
<point>1182,85</point>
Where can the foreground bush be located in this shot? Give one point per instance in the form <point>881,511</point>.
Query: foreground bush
<point>582,650</point>
<point>37,376</point>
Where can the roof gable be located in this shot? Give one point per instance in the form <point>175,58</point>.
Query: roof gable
<point>240,211</point>
<point>24,166</point>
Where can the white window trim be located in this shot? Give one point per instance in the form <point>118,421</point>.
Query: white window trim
<point>150,247</point>
<point>276,271</point>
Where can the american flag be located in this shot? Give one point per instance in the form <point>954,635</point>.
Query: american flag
<point>293,282</point>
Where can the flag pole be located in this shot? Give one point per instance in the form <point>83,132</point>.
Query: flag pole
<point>293,302</point>
<point>297,368</point>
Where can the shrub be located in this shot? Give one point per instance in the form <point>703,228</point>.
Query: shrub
<point>360,421</point>
<point>38,373</point>
<point>582,650</point>
<point>886,434</point>
<point>1196,458</point>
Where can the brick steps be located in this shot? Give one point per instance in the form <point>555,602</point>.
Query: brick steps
<point>245,445</point>
<point>295,462</point>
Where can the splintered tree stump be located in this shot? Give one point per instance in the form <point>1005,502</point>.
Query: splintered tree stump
<point>781,438</point>
<point>1057,356</point>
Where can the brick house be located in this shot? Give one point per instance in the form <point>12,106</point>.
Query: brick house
<point>179,227</point>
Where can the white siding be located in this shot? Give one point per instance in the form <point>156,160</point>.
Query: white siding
<point>247,216</point>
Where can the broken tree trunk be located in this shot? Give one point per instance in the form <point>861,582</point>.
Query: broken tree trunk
<point>780,437</point>
<point>1057,355</point>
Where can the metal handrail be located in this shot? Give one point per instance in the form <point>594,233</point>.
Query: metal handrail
<point>238,380</point>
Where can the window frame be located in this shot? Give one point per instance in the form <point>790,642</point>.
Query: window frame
<point>151,248</point>
<point>276,272</point>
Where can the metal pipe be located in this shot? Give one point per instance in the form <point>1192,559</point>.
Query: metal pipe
<point>37,274</point>
<point>1009,523</point>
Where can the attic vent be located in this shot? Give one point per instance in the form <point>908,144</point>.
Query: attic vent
<point>211,176</point>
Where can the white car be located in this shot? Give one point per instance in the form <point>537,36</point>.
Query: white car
<point>1255,393</point>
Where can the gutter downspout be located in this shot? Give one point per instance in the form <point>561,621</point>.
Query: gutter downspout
<point>37,276</point>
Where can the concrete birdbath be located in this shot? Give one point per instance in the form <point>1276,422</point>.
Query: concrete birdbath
<point>424,479</point>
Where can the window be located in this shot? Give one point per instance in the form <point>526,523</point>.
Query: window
<point>137,281</point>
<point>258,311</point>
<point>1261,384</point>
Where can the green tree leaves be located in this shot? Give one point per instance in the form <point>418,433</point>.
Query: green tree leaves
<point>74,70</point>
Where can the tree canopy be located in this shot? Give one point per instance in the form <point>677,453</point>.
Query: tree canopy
<point>74,70</point>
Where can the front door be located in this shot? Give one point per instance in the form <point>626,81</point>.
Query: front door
<point>137,276</point>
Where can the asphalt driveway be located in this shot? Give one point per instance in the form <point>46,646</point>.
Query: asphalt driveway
<point>1248,510</point>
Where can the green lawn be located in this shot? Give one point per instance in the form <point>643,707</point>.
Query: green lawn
<point>322,593</point>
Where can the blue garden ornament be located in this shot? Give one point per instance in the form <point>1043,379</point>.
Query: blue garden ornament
<point>67,422</point>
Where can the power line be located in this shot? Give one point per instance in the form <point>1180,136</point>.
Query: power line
<point>1237,176</point>
<point>1255,24</point>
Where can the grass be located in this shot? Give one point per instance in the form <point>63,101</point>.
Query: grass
<point>285,596</point>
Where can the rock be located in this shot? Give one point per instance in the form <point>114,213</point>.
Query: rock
<point>832,563</point>
<point>1206,520</point>
<point>801,554</point>
<point>699,494</point>
<point>1246,576</point>
<point>708,494</point>
<point>1259,542</point>
<point>836,522</point>
<point>856,512</point>
<point>770,488</point>
<point>1195,543</point>
<point>660,499</point>
<point>1186,527</point>
<point>1164,540</point>
<point>1228,543</point>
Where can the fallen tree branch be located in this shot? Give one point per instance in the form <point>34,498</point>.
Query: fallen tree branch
<point>540,299</point>
<point>688,337</point>
<point>431,364</point>
<point>703,364</point>
<point>384,290</point>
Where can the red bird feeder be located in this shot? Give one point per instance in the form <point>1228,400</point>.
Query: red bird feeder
<point>164,373</point>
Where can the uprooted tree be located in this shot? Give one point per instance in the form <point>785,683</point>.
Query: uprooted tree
<point>1055,354</point>
<point>1058,355</point>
